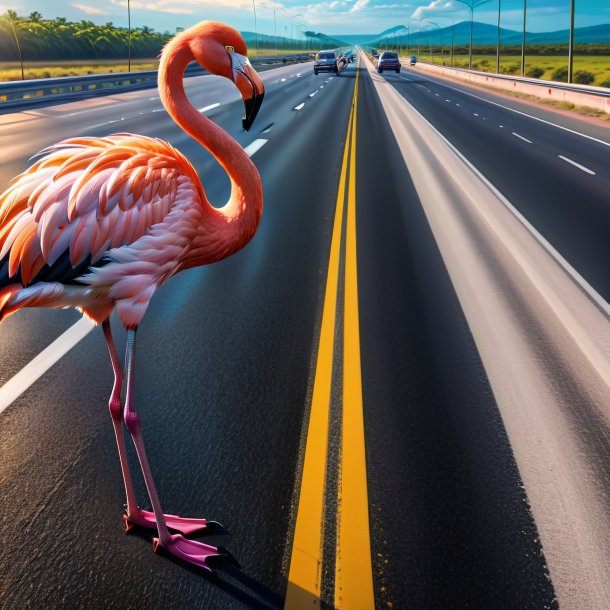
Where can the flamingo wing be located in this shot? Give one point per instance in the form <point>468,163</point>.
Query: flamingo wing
<point>83,197</point>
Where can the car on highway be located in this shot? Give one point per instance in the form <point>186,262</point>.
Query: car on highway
<point>388,60</point>
<point>413,60</point>
<point>326,61</point>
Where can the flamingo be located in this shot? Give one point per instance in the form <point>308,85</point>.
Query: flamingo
<point>98,224</point>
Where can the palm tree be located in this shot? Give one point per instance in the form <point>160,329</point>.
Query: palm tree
<point>472,4</point>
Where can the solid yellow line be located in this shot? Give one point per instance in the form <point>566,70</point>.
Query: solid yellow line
<point>353,577</point>
<point>304,579</point>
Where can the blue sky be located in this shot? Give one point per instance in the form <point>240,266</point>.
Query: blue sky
<point>328,16</point>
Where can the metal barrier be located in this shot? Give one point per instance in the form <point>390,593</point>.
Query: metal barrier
<point>18,94</point>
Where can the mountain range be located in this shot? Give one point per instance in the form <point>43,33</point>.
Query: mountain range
<point>483,33</point>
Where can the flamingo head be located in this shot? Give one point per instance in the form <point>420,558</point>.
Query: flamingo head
<point>220,49</point>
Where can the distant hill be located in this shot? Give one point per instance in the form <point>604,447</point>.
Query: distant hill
<point>312,40</point>
<point>485,34</point>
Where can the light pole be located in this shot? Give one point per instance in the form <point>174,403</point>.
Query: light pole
<point>300,28</point>
<point>255,28</point>
<point>523,39</point>
<point>128,36</point>
<point>18,46</point>
<point>571,47</point>
<point>441,31</point>
<point>291,19</point>
<point>472,4</point>
<point>498,43</point>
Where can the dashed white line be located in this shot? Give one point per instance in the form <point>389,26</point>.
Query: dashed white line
<point>457,104</point>
<point>521,137</point>
<point>578,165</point>
<point>436,94</point>
<point>255,146</point>
<point>321,86</point>
<point>312,94</point>
<point>476,113</point>
<point>501,126</point>
<point>32,371</point>
<point>206,108</point>
<point>530,116</point>
<point>282,80</point>
<point>448,101</point>
<point>299,106</point>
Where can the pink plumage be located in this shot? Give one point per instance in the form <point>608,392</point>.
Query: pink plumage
<point>100,223</point>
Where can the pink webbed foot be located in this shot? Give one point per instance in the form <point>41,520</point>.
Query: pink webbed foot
<point>145,518</point>
<point>194,552</point>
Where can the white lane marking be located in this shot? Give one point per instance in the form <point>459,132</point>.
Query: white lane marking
<point>282,80</point>
<point>578,165</point>
<point>37,367</point>
<point>448,101</point>
<point>321,86</point>
<point>476,114</point>
<point>255,146</point>
<point>530,116</point>
<point>501,126</point>
<point>579,279</point>
<point>436,94</point>
<point>312,94</point>
<point>457,104</point>
<point>155,97</point>
<point>299,75</point>
<point>521,137</point>
<point>206,108</point>
<point>299,106</point>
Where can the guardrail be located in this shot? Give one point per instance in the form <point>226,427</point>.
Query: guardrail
<point>579,95</point>
<point>19,94</point>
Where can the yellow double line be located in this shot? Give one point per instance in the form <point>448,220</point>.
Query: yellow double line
<point>353,574</point>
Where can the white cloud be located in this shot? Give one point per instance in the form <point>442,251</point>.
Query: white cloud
<point>89,10</point>
<point>359,5</point>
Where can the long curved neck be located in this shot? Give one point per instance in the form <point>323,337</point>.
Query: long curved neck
<point>240,216</point>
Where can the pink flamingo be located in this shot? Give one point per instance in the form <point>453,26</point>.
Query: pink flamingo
<point>100,223</point>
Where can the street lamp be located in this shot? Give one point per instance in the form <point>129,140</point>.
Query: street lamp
<point>291,19</point>
<point>523,39</point>
<point>571,46</point>
<point>255,28</point>
<point>128,36</point>
<point>498,42</point>
<point>472,4</point>
<point>441,31</point>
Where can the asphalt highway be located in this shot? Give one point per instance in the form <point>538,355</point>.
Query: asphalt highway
<point>337,348</point>
<point>556,173</point>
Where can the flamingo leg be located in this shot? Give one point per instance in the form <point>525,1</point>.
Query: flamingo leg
<point>183,548</point>
<point>136,515</point>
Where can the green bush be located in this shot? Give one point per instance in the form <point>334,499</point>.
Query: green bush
<point>561,74</point>
<point>512,69</point>
<point>605,83</point>
<point>582,77</point>
<point>534,72</point>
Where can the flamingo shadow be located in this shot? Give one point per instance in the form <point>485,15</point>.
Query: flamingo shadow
<point>248,590</point>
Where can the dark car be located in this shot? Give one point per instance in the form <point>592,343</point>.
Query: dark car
<point>413,60</point>
<point>388,60</point>
<point>326,61</point>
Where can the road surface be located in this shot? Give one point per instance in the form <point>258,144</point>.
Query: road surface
<point>354,332</point>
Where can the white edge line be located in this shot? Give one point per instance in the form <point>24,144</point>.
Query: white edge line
<point>255,146</point>
<point>37,367</point>
<point>521,137</point>
<point>593,294</point>
<point>299,106</point>
<point>206,108</point>
<point>578,165</point>
<point>535,118</point>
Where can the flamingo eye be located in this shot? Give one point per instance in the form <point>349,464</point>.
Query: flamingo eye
<point>230,48</point>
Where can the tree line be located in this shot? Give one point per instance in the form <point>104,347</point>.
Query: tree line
<point>60,39</point>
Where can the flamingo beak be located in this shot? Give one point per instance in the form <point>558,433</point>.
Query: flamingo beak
<point>250,86</point>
